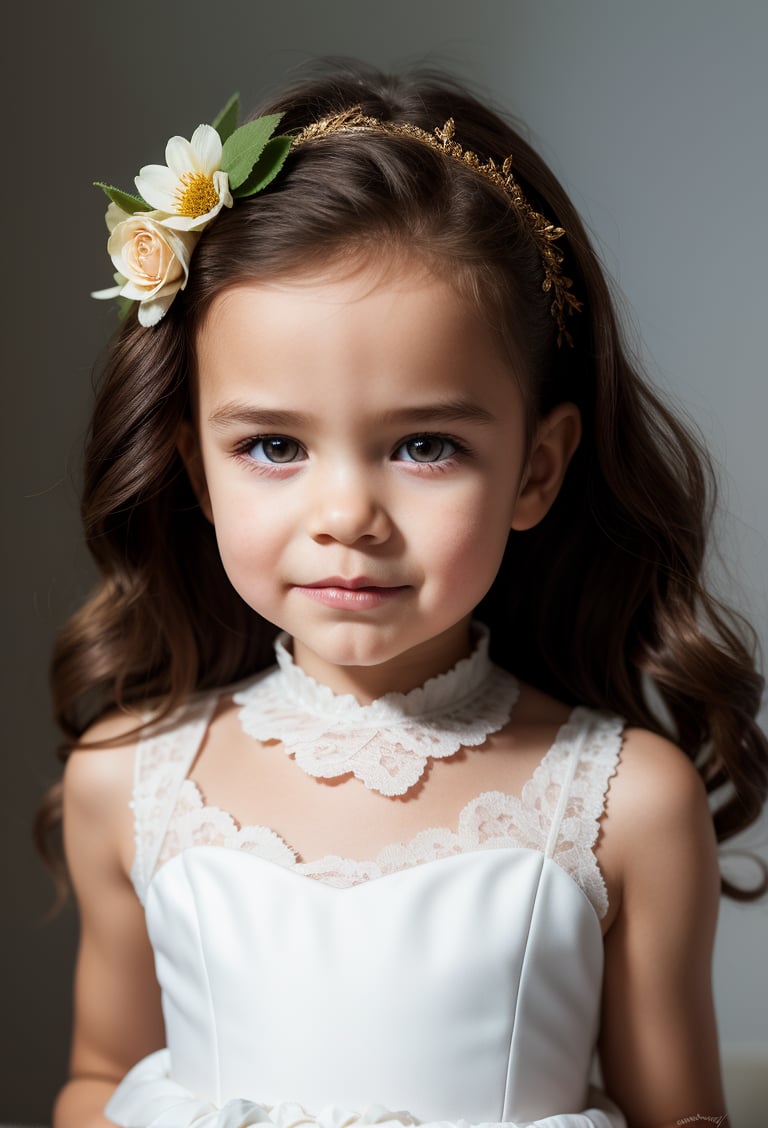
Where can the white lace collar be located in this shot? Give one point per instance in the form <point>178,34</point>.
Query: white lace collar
<point>386,744</point>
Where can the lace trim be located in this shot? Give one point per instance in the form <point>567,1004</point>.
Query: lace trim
<point>596,762</point>
<point>162,761</point>
<point>587,748</point>
<point>386,744</point>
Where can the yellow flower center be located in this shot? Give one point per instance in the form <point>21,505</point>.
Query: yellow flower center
<point>196,195</point>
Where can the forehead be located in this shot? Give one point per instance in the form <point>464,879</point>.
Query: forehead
<point>368,332</point>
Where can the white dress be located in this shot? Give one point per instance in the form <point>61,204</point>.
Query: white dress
<point>455,978</point>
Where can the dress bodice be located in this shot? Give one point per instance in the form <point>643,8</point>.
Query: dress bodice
<point>453,978</point>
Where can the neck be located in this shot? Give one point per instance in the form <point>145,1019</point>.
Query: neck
<point>401,673</point>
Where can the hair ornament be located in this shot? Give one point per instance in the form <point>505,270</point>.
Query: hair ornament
<point>543,233</point>
<point>152,235</point>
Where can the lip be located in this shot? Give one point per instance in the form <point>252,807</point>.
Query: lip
<point>360,593</point>
<point>353,584</point>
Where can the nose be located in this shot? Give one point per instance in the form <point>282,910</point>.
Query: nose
<point>347,507</point>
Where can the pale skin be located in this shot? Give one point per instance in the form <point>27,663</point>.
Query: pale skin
<point>379,376</point>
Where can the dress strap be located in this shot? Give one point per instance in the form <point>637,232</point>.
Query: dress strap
<point>573,781</point>
<point>162,762</point>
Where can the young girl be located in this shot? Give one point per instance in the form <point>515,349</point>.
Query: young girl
<point>372,396</point>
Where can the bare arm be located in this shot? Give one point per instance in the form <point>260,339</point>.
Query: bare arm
<point>658,1046</point>
<point>117,1006</point>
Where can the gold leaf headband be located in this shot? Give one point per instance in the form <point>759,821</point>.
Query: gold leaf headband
<point>543,233</point>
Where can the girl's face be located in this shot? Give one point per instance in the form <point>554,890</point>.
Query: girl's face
<point>360,451</point>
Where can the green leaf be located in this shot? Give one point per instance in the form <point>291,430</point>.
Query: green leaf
<point>124,307</point>
<point>124,200</point>
<point>244,147</point>
<point>225,122</point>
<point>266,168</point>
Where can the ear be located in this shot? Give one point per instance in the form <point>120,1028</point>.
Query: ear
<point>188,446</point>
<point>557,437</point>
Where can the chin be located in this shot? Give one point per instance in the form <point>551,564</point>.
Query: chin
<point>357,644</point>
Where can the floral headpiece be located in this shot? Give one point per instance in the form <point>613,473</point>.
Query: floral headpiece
<point>151,249</point>
<point>152,235</point>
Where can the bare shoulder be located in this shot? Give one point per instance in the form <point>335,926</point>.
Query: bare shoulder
<point>657,832</point>
<point>102,762</point>
<point>98,783</point>
<point>657,788</point>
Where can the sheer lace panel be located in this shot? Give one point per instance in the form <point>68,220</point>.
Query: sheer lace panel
<point>162,761</point>
<point>557,813</point>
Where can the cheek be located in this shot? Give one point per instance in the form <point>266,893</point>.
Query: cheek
<point>468,543</point>
<point>248,537</point>
<point>252,567</point>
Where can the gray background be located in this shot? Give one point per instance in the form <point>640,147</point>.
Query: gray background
<point>652,113</point>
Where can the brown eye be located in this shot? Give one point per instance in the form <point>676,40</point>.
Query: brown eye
<point>275,448</point>
<point>426,448</point>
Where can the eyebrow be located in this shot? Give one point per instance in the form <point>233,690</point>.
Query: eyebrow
<point>231,414</point>
<point>444,411</point>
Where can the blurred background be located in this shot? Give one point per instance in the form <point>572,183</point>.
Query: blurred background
<point>653,115</point>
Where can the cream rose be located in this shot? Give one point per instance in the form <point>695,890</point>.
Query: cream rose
<point>152,260</point>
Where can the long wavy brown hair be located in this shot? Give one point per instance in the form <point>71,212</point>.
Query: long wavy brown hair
<point>604,603</point>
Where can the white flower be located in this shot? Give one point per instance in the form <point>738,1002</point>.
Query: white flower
<point>152,261</point>
<point>191,189</point>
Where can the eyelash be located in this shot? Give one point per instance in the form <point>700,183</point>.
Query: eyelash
<point>460,451</point>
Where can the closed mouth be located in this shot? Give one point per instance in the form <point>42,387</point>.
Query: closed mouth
<point>357,583</point>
